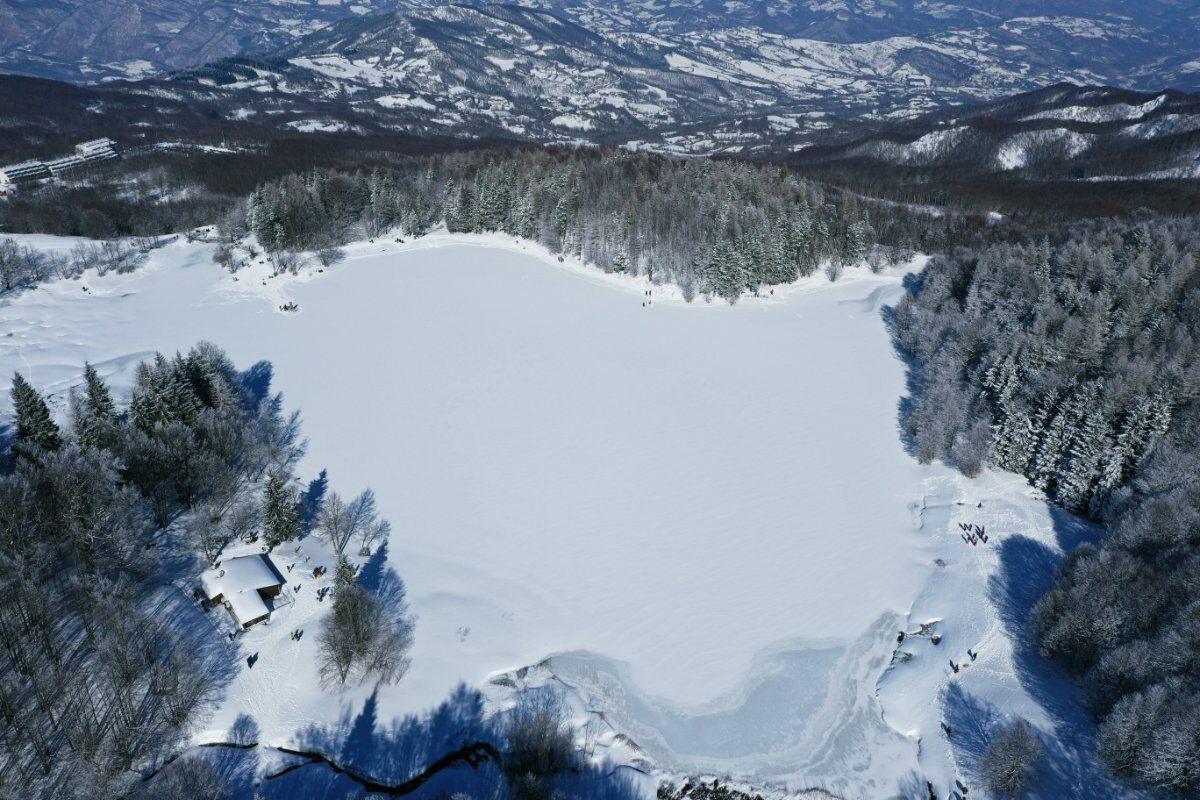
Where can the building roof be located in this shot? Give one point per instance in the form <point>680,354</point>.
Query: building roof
<point>25,168</point>
<point>238,581</point>
<point>97,148</point>
<point>247,605</point>
<point>64,163</point>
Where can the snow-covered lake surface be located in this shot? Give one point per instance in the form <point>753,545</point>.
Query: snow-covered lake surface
<point>703,513</point>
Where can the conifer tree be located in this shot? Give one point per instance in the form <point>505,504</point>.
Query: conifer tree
<point>35,426</point>
<point>1088,446</point>
<point>280,516</point>
<point>99,398</point>
<point>93,412</point>
<point>162,394</point>
<point>1050,449</point>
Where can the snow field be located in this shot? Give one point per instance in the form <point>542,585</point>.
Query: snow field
<point>698,519</point>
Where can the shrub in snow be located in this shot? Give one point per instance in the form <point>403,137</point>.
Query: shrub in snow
<point>225,258</point>
<point>284,261</point>
<point>537,742</point>
<point>1012,759</point>
<point>329,256</point>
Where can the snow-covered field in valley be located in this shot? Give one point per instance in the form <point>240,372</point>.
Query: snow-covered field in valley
<point>699,518</point>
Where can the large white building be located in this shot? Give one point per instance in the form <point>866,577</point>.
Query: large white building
<point>97,149</point>
<point>61,165</point>
<point>25,171</point>
<point>85,153</point>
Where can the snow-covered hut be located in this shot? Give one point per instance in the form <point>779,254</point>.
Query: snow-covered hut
<point>243,584</point>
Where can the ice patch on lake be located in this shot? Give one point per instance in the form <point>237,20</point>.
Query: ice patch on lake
<point>805,714</point>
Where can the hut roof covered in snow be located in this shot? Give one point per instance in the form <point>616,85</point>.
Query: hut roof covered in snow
<point>239,581</point>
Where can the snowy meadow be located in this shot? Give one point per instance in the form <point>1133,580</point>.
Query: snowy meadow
<point>698,520</point>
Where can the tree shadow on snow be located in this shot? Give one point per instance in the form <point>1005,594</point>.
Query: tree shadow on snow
<point>912,368</point>
<point>1073,768</point>
<point>974,722</point>
<point>393,753</point>
<point>311,500</point>
<point>238,768</point>
<point>257,381</point>
<point>407,747</point>
<point>378,578</point>
<point>234,761</point>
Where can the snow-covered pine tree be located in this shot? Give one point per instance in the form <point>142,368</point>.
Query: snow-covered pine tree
<point>99,399</point>
<point>1001,381</point>
<point>858,239</point>
<point>34,425</point>
<point>209,374</point>
<point>522,220</point>
<point>1009,445</point>
<point>1041,262</point>
<point>162,394</point>
<point>724,274</point>
<point>800,239</point>
<point>280,515</point>
<point>777,268</point>
<point>1089,444</point>
<point>1148,420</point>
<point>1051,445</point>
<point>564,215</point>
<point>93,412</point>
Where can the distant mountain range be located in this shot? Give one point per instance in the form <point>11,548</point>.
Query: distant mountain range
<point>678,75</point>
<point>90,40</point>
<point>1061,133</point>
<point>812,80</point>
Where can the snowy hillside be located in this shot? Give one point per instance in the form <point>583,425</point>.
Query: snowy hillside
<point>626,74</point>
<point>682,77</point>
<point>1060,132</point>
<point>699,520</point>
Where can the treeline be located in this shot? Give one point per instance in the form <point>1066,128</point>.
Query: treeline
<point>94,679</point>
<point>125,205</point>
<point>174,189</point>
<point>712,227</point>
<point>26,267</point>
<point>1075,364</point>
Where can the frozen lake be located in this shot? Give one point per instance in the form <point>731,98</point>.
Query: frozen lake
<point>707,508</point>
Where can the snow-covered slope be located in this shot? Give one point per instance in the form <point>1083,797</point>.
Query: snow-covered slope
<point>688,77</point>
<point>633,71</point>
<point>1062,132</point>
<point>96,39</point>
<point>699,518</point>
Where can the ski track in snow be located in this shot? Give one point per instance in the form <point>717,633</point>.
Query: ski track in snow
<point>698,519</point>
